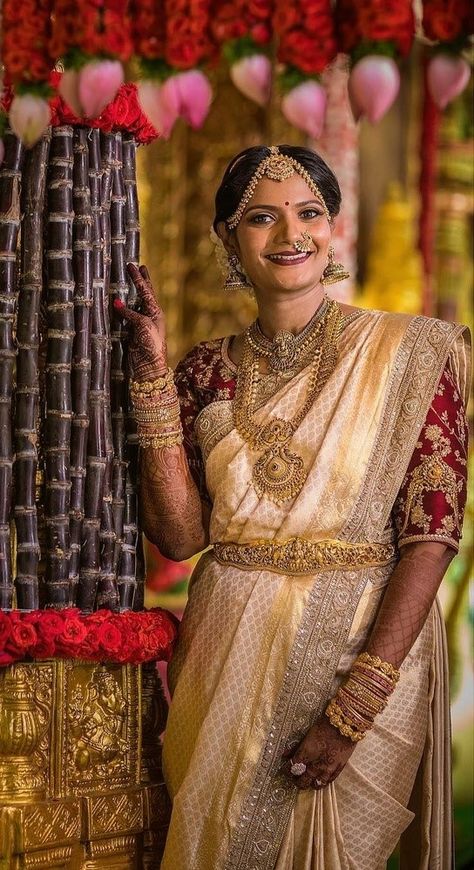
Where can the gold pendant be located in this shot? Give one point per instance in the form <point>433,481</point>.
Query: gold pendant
<point>279,474</point>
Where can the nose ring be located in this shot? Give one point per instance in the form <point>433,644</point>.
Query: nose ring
<point>303,245</point>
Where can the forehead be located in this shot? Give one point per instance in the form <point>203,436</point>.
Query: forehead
<point>293,189</point>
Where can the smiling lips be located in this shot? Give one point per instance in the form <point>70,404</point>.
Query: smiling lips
<point>288,258</point>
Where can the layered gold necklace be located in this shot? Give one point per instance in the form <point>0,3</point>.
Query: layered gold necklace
<point>279,473</point>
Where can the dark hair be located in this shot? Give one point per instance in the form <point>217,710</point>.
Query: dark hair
<point>241,169</point>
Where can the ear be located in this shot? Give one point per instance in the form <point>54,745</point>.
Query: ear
<point>228,238</point>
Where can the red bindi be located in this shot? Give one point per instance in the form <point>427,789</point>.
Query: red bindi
<point>287,203</point>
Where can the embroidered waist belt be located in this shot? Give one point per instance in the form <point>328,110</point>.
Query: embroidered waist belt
<point>300,556</point>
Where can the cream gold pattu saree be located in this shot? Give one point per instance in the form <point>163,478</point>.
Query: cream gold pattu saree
<point>278,611</point>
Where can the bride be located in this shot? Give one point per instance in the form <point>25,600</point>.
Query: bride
<point>322,455</point>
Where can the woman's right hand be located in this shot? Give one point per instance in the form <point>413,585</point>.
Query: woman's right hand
<point>147,348</point>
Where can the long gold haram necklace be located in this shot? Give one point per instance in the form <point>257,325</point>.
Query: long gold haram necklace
<point>279,473</point>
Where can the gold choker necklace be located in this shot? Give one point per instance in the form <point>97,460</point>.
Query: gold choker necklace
<point>279,473</point>
<point>286,349</point>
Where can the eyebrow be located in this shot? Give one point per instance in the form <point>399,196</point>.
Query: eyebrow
<point>297,205</point>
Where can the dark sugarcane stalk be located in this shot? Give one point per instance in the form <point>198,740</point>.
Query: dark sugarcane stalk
<point>10,178</point>
<point>119,288</point>
<point>107,595</point>
<point>60,321</point>
<point>27,374</point>
<point>133,561</point>
<point>96,444</point>
<point>81,363</point>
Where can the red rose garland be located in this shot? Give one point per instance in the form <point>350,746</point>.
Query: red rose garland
<point>91,28</point>
<point>26,34</point>
<point>122,638</point>
<point>188,38</point>
<point>375,26</point>
<point>243,18</point>
<point>305,33</point>
<point>148,24</point>
<point>448,20</point>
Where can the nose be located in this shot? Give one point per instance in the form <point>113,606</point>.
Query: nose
<point>287,228</point>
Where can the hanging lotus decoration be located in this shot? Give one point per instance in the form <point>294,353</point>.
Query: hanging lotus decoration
<point>306,46</point>
<point>448,70</point>
<point>375,36</point>
<point>244,32</point>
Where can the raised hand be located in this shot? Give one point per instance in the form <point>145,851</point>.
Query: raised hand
<point>324,751</point>
<point>147,349</point>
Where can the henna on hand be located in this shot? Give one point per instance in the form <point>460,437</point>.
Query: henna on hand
<point>172,514</point>
<point>147,347</point>
<point>408,599</point>
<point>324,751</point>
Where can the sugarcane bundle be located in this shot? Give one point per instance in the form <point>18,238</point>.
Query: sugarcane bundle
<point>27,411</point>
<point>72,215</point>
<point>10,176</point>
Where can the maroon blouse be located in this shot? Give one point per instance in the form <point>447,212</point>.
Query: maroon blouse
<point>430,504</point>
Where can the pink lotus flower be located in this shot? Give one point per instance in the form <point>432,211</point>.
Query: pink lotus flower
<point>253,76</point>
<point>68,88</point>
<point>373,87</point>
<point>98,84</point>
<point>29,118</point>
<point>160,103</point>
<point>305,107</point>
<point>194,95</point>
<point>447,77</point>
<point>2,151</point>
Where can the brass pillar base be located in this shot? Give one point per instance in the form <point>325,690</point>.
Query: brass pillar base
<point>80,783</point>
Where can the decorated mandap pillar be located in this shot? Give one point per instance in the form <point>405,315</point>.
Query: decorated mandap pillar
<point>81,702</point>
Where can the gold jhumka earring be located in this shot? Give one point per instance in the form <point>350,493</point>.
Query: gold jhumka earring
<point>333,272</point>
<point>236,278</point>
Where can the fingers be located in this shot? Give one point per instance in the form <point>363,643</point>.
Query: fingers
<point>141,279</point>
<point>127,313</point>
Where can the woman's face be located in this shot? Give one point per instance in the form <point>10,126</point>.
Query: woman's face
<point>277,216</point>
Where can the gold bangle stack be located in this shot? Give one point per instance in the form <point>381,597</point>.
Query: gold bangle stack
<point>364,694</point>
<point>156,411</point>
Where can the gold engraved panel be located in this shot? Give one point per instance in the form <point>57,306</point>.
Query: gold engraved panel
<point>114,813</point>
<point>25,720</point>
<point>100,728</point>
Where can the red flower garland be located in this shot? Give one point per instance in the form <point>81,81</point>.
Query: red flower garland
<point>148,25</point>
<point>123,638</point>
<point>243,18</point>
<point>448,20</point>
<point>123,113</point>
<point>188,38</point>
<point>305,30</point>
<point>91,28</point>
<point>361,24</point>
<point>26,33</point>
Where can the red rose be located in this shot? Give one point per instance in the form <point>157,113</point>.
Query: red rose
<point>50,625</point>
<point>124,110</point>
<point>72,635</point>
<point>110,637</point>
<point>22,635</point>
<point>5,629</point>
<point>44,648</point>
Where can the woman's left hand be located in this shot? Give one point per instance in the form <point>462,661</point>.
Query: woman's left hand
<point>324,751</point>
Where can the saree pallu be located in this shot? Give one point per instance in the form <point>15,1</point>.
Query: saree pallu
<point>281,606</point>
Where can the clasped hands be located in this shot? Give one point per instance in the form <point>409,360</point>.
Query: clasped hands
<point>324,751</point>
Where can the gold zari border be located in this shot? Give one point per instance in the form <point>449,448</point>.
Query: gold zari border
<point>300,556</point>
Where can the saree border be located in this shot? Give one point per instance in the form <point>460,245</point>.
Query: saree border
<point>328,615</point>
